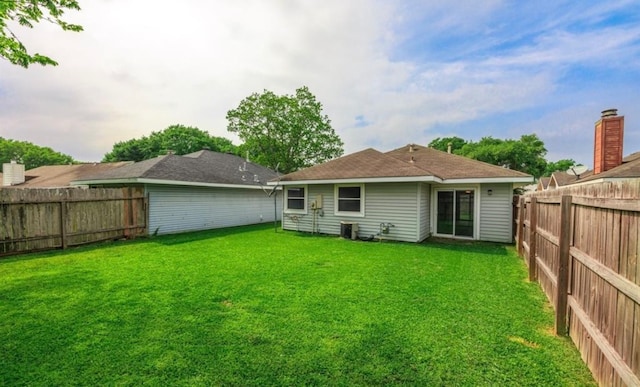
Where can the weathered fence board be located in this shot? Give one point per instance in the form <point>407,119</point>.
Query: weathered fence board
<point>586,247</point>
<point>42,219</point>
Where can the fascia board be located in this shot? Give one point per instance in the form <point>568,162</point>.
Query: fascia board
<point>481,180</point>
<point>163,182</point>
<point>408,179</point>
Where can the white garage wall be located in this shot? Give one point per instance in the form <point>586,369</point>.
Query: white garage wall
<point>174,209</point>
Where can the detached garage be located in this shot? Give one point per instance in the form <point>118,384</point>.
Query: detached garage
<point>198,191</point>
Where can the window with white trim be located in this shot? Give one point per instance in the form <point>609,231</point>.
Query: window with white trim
<point>350,199</point>
<point>295,199</point>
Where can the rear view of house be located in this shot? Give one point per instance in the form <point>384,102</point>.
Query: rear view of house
<point>407,194</point>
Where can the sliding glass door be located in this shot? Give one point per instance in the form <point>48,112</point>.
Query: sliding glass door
<point>455,214</point>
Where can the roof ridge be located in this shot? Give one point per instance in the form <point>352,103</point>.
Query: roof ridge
<point>431,173</point>
<point>160,160</point>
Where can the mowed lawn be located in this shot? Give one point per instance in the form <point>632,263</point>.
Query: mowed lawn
<point>249,306</point>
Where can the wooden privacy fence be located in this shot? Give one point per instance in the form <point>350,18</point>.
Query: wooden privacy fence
<point>581,244</point>
<point>44,219</point>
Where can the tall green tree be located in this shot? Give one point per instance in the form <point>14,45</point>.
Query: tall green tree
<point>287,131</point>
<point>32,156</point>
<point>26,13</point>
<point>179,139</point>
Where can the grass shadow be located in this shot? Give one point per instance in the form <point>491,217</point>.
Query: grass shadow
<point>193,236</point>
<point>479,247</point>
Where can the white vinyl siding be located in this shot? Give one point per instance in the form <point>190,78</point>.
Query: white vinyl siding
<point>424,221</point>
<point>175,209</point>
<point>496,213</point>
<point>393,203</point>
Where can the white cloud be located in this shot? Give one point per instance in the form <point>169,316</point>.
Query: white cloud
<point>143,65</point>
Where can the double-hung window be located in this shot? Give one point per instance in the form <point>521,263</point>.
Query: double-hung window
<point>350,200</point>
<point>296,199</point>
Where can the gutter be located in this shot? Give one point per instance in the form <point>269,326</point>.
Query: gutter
<point>413,179</point>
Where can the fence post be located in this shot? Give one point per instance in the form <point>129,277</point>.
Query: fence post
<point>533,224</point>
<point>563,266</point>
<point>63,230</point>
<point>126,204</point>
<point>520,229</point>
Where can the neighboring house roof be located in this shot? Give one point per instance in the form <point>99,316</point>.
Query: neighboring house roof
<point>561,178</point>
<point>205,168</point>
<point>53,176</point>
<point>408,163</point>
<point>629,169</point>
<point>543,183</point>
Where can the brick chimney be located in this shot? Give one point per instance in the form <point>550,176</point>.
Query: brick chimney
<point>607,150</point>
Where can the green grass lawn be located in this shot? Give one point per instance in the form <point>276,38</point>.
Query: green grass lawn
<point>248,306</point>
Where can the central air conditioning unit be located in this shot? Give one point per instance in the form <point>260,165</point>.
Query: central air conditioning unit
<point>349,230</point>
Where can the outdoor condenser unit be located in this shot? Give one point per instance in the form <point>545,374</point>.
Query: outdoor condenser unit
<point>349,230</point>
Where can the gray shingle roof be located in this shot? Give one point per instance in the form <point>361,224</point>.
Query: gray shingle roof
<point>199,167</point>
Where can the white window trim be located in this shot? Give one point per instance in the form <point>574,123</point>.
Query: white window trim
<point>286,200</point>
<point>476,210</point>
<point>359,214</point>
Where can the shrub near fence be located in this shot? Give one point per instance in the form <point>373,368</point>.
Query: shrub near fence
<point>43,219</point>
<point>581,244</point>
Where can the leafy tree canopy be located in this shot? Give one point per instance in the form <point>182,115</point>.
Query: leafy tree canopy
<point>26,13</point>
<point>285,131</point>
<point>32,156</point>
<point>179,139</point>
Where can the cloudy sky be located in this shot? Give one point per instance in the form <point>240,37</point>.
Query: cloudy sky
<point>387,73</point>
